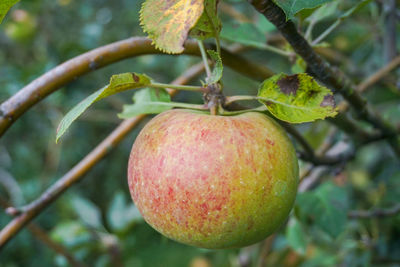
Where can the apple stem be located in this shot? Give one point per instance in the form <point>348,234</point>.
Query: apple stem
<point>214,110</point>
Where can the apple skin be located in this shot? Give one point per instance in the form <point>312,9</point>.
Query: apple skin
<point>213,181</point>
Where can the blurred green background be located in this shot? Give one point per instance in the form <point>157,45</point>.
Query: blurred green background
<point>96,221</point>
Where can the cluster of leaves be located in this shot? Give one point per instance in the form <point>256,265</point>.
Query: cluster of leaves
<point>294,99</point>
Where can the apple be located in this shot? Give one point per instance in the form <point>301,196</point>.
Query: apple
<point>213,181</point>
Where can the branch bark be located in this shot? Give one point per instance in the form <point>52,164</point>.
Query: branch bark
<point>333,78</point>
<point>27,213</point>
<point>70,70</point>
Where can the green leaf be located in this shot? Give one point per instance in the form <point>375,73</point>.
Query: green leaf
<point>292,7</point>
<point>324,12</point>
<point>299,66</point>
<point>147,101</point>
<point>168,22</point>
<point>296,237</point>
<point>244,33</point>
<point>355,8</point>
<point>326,208</point>
<point>209,25</point>
<point>70,234</point>
<point>118,83</point>
<point>263,24</point>
<point>87,212</point>
<point>122,214</point>
<point>296,98</point>
<point>216,74</point>
<point>5,6</point>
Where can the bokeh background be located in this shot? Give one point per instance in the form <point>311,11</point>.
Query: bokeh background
<point>96,221</point>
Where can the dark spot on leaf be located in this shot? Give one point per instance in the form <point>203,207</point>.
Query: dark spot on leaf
<point>135,77</point>
<point>329,100</point>
<point>311,93</point>
<point>250,223</point>
<point>289,84</point>
<point>267,103</point>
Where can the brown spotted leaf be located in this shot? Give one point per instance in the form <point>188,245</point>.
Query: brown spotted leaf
<point>209,25</point>
<point>296,98</point>
<point>118,83</point>
<point>168,22</point>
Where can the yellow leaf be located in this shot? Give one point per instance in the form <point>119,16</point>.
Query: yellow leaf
<point>169,22</point>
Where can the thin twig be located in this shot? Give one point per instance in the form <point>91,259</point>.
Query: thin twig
<point>231,11</point>
<point>42,236</point>
<point>326,33</point>
<point>27,213</point>
<point>265,250</point>
<point>308,153</point>
<point>377,76</point>
<point>390,31</point>
<point>371,80</point>
<point>376,213</point>
<point>313,176</point>
<point>178,87</point>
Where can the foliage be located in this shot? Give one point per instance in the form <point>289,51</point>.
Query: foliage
<point>96,221</point>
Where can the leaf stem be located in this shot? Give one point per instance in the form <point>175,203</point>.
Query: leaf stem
<point>181,105</point>
<point>308,34</point>
<point>237,112</point>
<point>231,99</point>
<point>218,44</point>
<point>205,59</point>
<point>178,87</point>
<point>326,32</point>
<point>275,50</point>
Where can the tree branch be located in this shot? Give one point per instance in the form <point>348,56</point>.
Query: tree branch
<point>308,154</point>
<point>54,79</point>
<point>42,236</point>
<point>321,70</point>
<point>49,82</point>
<point>377,76</point>
<point>25,214</point>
